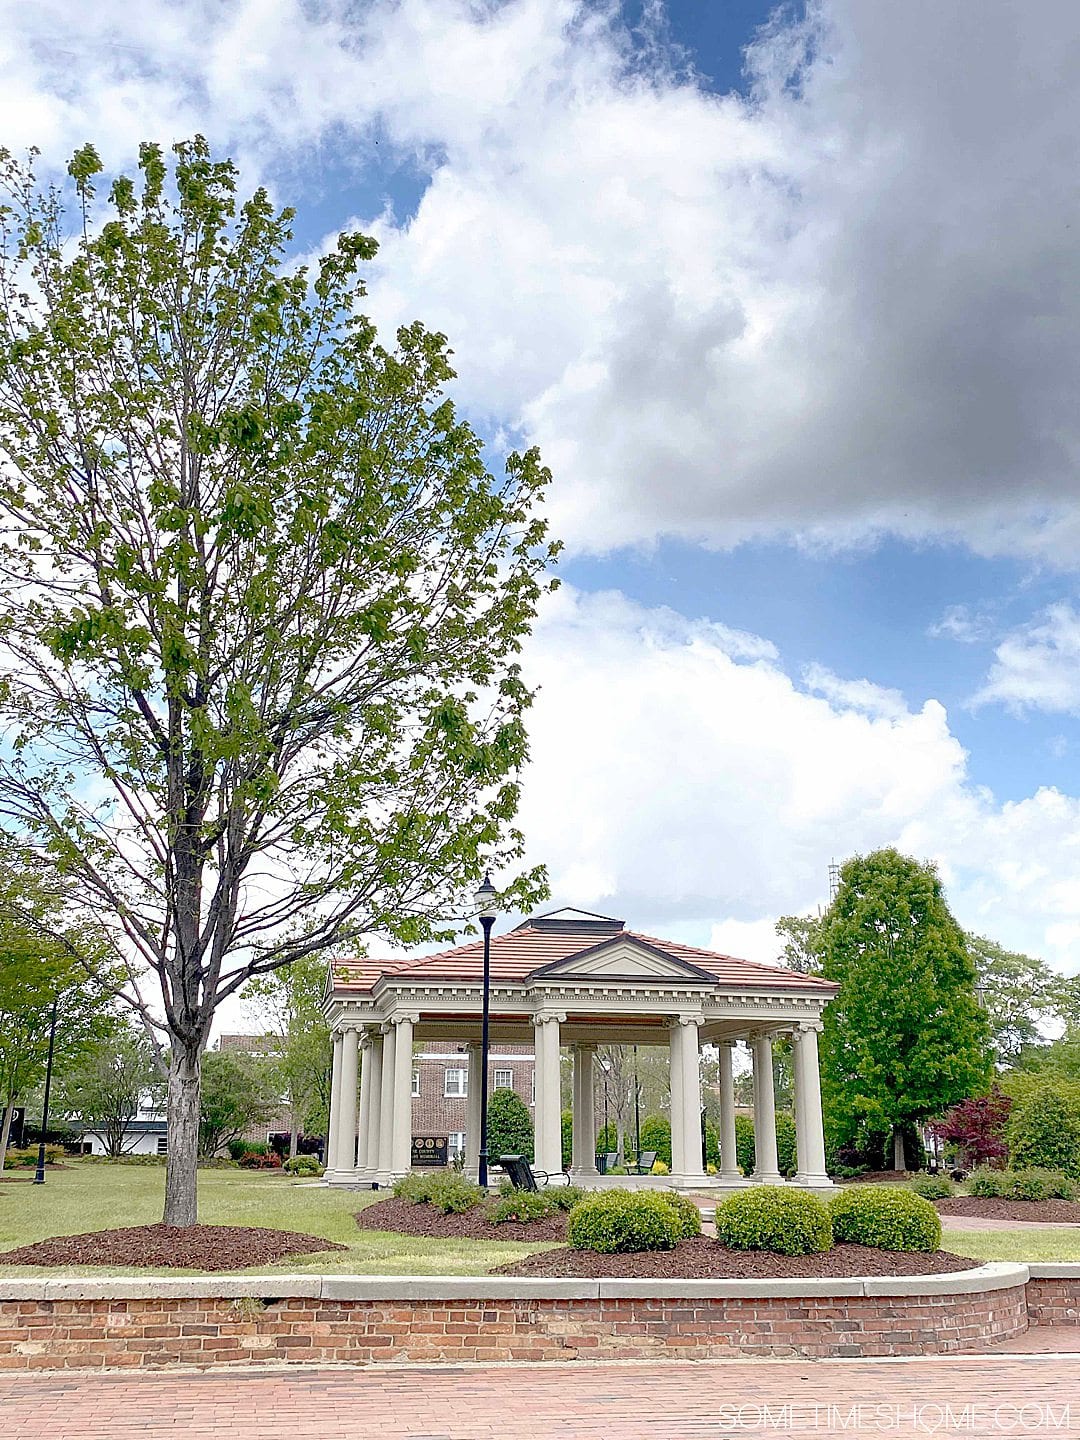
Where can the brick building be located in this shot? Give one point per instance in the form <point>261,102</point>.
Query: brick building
<point>440,1086</point>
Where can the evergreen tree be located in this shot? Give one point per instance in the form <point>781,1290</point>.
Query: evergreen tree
<point>510,1127</point>
<point>906,1036</point>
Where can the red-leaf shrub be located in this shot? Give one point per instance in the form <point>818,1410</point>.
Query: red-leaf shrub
<point>977,1127</point>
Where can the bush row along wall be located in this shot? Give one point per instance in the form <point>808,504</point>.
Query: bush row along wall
<point>705,1321</point>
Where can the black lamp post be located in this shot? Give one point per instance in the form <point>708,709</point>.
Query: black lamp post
<point>637,1112</point>
<point>485,906</point>
<point>39,1175</point>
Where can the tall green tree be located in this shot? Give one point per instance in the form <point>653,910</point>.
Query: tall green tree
<point>803,937</point>
<point>906,1036</point>
<point>261,603</point>
<point>102,1087</point>
<point>1019,993</point>
<point>288,1004</point>
<point>43,961</point>
<point>237,1094</point>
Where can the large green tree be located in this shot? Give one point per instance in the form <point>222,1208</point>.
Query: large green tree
<point>44,962</point>
<point>102,1087</point>
<point>288,1004</point>
<point>1019,994</point>
<point>906,1037</point>
<point>261,603</point>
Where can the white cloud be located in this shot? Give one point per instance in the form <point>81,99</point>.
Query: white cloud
<point>685,783</point>
<point>846,305</point>
<point>1037,666</point>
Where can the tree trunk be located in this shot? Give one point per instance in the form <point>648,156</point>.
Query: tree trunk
<point>294,1135</point>
<point>181,1197</point>
<point>5,1132</point>
<point>898,1160</point>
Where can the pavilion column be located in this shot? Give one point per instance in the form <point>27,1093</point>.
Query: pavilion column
<point>386,1105</point>
<point>766,1166</point>
<point>335,1109</point>
<point>350,1074</point>
<point>678,1108</point>
<point>692,1167</point>
<point>367,1160</point>
<point>401,1148</point>
<point>584,1111</point>
<point>547,1119</point>
<point>472,1113</point>
<point>730,1173</point>
<point>809,1130</point>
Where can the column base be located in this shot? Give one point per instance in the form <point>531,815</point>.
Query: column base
<point>767,1178</point>
<point>813,1182</point>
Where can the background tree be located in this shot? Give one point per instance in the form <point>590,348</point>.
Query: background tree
<point>237,1095</point>
<point>510,1126</point>
<point>103,1085</point>
<point>906,1036</point>
<point>803,937</point>
<point>261,602</point>
<point>288,1006</point>
<point>42,959</point>
<point>1019,994</point>
<point>1044,1129</point>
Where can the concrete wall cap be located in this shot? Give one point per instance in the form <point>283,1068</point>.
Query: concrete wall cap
<point>181,1287</point>
<point>1054,1270</point>
<point>22,1290</point>
<point>997,1275</point>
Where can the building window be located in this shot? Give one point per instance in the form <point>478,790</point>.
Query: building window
<point>455,1144</point>
<point>456,1084</point>
<point>416,1082</point>
<point>504,1080</point>
<point>163,1145</point>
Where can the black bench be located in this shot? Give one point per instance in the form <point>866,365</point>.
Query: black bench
<point>523,1177</point>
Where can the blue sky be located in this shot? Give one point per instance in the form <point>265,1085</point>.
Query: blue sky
<point>792,314</point>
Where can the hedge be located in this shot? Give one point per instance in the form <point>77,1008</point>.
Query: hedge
<point>788,1222</point>
<point>886,1216</point>
<point>613,1222</point>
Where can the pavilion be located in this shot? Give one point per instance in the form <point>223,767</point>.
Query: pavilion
<point>581,980</point>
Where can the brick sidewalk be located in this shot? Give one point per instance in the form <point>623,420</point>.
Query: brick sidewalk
<point>1032,1395</point>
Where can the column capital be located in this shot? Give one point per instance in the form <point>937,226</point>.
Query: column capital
<point>697,1020</point>
<point>549,1017</point>
<point>408,1018</point>
<point>754,1036</point>
<point>367,1037</point>
<point>728,1044</point>
<point>351,1027</point>
<point>807,1027</point>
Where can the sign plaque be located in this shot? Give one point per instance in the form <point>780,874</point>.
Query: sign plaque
<point>430,1150</point>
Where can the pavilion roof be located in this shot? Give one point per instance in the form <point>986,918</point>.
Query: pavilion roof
<point>544,940</point>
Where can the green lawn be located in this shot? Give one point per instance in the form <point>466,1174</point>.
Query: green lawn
<point>1060,1243</point>
<point>101,1197</point>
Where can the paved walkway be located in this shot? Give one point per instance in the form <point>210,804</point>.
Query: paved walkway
<point>982,1396</point>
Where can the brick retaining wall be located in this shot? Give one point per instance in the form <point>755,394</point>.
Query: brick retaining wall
<point>314,1320</point>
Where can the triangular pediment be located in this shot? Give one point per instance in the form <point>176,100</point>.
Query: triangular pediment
<point>622,958</point>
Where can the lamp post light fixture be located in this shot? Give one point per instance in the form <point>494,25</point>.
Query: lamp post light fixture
<point>485,908</point>
<point>39,1174</point>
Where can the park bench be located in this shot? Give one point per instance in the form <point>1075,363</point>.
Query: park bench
<point>522,1176</point>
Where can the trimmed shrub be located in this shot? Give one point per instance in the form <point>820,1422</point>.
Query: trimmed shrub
<point>613,1222</point>
<point>933,1187</point>
<point>27,1159</point>
<point>510,1126</point>
<point>744,1143</point>
<point>450,1192</point>
<point>1039,1184</point>
<point>688,1213</point>
<point>415,1187</point>
<point>989,1184</point>
<point>303,1165</point>
<point>565,1197</point>
<point>886,1216</point>
<point>656,1135</point>
<point>522,1206</point>
<point>788,1222</point>
<point>1044,1131</point>
<point>786,1146</point>
<point>659,1168</point>
<point>261,1159</point>
<point>567,1139</point>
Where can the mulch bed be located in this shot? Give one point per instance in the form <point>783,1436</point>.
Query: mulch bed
<point>704,1259</point>
<point>181,1247</point>
<point>1053,1212</point>
<point>404,1218</point>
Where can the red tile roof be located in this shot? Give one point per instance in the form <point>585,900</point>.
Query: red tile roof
<point>518,953</point>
